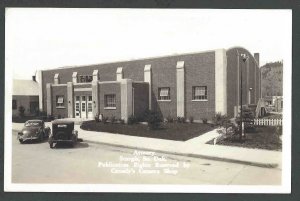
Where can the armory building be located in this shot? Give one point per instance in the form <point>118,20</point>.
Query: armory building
<point>195,84</point>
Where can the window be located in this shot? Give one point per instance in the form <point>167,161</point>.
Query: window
<point>14,104</point>
<point>110,101</point>
<point>200,93</point>
<point>59,101</point>
<point>164,93</point>
<point>85,78</point>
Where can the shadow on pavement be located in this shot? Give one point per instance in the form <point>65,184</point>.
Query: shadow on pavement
<point>78,145</point>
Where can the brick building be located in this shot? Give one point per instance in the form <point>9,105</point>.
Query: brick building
<point>195,84</point>
<point>25,94</point>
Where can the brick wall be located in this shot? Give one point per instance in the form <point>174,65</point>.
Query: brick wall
<point>200,71</point>
<point>141,98</point>
<point>232,79</point>
<point>110,88</point>
<point>60,91</point>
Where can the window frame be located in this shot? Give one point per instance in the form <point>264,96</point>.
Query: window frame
<point>113,101</point>
<point>201,97</point>
<point>60,105</point>
<point>166,98</point>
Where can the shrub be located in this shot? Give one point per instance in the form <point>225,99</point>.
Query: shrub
<point>181,119</point>
<point>191,119</point>
<point>204,120</point>
<point>131,120</point>
<point>104,119</point>
<point>50,117</point>
<point>170,119</point>
<point>112,119</point>
<point>121,121</point>
<point>59,116</point>
<point>21,111</point>
<point>97,117</point>
<point>154,119</point>
<point>220,120</point>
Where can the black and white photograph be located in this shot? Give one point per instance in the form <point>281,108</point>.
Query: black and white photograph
<point>148,100</point>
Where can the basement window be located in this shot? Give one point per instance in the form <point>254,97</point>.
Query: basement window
<point>59,101</point>
<point>110,101</point>
<point>164,93</point>
<point>199,93</point>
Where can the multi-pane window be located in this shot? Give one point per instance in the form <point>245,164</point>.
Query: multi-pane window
<point>14,104</point>
<point>200,93</point>
<point>110,100</point>
<point>164,93</point>
<point>59,101</point>
<point>85,78</point>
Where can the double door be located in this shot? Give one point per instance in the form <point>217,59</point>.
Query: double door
<point>84,107</point>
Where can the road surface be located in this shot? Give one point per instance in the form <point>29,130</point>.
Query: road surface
<point>102,164</point>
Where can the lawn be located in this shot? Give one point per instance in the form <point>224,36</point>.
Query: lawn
<point>169,131</point>
<point>265,137</point>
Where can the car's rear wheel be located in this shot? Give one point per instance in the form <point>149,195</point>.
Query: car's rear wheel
<point>51,145</point>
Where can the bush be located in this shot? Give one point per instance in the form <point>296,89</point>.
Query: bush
<point>132,120</point>
<point>220,120</point>
<point>191,119</point>
<point>97,117</point>
<point>59,116</point>
<point>50,117</point>
<point>121,121</point>
<point>113,119</point>
<point>248,119</point>
<point>170,119</point>
<point>181,119</point>
<point>21,111</point>
<point>154,119</point>
<point>204,120</point>
<point>104,119</point>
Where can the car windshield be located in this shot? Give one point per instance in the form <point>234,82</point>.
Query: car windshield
<point>33,123</point>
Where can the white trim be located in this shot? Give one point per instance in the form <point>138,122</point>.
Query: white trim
<point>164,100</point>
<point>40,81</point>
<point>148,79</point>
<point>203,100</point>
<point>110,108</point>
<point>82,89</point>
<point>221,81</point>
<point>180,74</point>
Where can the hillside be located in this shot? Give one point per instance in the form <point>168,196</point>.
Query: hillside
<point>271,79</point>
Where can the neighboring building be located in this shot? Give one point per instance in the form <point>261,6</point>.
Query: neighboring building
<point>196,84</point>
<point>26,94</point>
<point>274,103</point>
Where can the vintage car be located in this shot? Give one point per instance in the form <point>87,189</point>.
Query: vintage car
<point>63,132</point>
<point>34,130</point>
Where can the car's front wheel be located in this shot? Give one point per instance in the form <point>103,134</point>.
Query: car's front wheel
<point>21,141</point>
<point>51,145</point>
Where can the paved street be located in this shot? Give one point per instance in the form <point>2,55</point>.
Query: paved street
<point>93,163</point>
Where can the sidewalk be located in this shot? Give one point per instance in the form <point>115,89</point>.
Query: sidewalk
<point>195,147</point>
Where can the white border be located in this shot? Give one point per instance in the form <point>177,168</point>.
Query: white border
<point>286,154</point>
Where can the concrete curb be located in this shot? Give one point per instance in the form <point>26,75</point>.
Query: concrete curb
<point>257,164</point>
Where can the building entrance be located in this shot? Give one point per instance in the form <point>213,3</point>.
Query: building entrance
<point>83,107</point>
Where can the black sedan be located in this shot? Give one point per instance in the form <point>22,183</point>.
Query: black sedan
<point>34,130</point>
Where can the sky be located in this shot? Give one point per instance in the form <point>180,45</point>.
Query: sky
<point>43,38</point>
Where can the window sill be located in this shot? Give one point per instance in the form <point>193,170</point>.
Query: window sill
<point>110,108</point>
<point>200,100</point>
<point>164,100</point>
<point>60,107</point>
